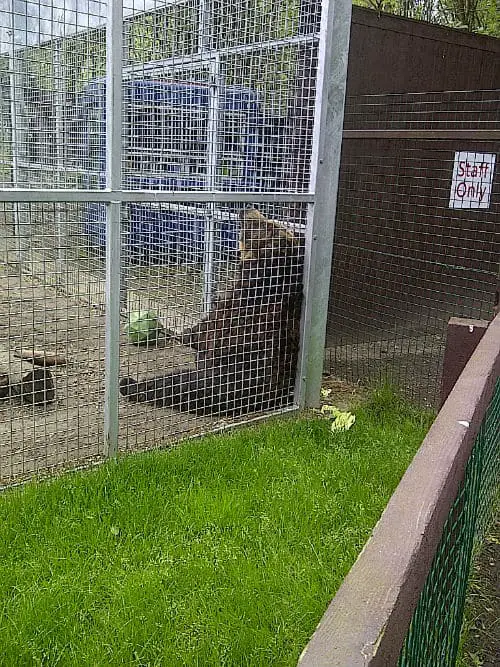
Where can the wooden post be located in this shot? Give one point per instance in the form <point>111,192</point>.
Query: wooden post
<point>462,338</point>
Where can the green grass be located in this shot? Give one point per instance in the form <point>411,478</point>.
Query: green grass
<point>223,551</point>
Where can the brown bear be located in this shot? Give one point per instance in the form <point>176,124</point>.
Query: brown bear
<point>247,345</point>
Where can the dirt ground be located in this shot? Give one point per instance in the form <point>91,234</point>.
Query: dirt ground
<point>343,395</point>
<point>412,364</point>
<point>70,431</point>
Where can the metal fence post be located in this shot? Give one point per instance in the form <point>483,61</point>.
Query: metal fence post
<point>16,137</point>
<point>114,44</point>
<point>59,104</point>
<point>210,226</point>
<point>325,163</point>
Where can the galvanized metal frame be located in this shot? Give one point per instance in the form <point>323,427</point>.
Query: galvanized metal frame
<point>115,194</point>
<point>212,134</point>
<point>320,197</point>
<point>114,148</point>
<point>14,129</point>
<point>59,108</point>
<point>325,165</point>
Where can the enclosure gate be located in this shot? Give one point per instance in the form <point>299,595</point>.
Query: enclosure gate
<point>133,139</point>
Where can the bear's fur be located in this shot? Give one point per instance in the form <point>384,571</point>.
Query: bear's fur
<point>247,346</point>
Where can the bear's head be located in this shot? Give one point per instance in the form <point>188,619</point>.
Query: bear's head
<point>271,257</point>
<point>261,237</point>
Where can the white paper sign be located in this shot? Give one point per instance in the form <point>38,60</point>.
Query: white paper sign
<point>471,181</point>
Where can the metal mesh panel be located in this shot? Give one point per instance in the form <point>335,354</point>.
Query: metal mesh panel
<point>434,632</point>
<point>43,78</point>
<point>254,63</point>
<point>417,236</point>
<point>490,472</point>
<point>160,239</point>
<point>48,408</point>
<point>230,321</point>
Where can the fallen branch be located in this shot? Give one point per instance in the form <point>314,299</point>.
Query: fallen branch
<point>41,357</point>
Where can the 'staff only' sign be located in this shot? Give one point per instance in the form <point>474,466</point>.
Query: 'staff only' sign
<point>472,179</point>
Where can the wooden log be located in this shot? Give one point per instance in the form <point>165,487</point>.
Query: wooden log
<point>33,385</point>
<point>41,357</point>
<point>12,372</point>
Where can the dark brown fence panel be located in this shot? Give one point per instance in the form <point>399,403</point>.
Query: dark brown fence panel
<point>405,259</point>
<point>392,54</point>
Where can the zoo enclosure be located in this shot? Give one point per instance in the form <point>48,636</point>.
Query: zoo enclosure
<point>128,148</point>
<point>402,602</point>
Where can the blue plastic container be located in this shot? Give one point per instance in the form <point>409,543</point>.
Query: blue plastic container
<point>170,234</point>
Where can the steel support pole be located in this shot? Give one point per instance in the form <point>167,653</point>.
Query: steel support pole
<point>325,164</point>
<point>210,221</point>
<point>114,65</point>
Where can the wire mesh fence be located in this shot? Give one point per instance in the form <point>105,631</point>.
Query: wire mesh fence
<point>417,236</point>
<point>157,163</point>
<point>434,633</point>
<point>40,316</point>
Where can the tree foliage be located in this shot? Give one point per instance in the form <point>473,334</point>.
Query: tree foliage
<point>482,16</point>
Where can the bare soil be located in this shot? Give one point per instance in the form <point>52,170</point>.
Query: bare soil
<point>70,431</point>
<point>413,364</point>
<point>343,395</point>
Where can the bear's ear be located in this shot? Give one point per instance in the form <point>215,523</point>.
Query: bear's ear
<point>254,229</point>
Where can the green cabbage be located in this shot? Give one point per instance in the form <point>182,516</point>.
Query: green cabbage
<point>143,327</point>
